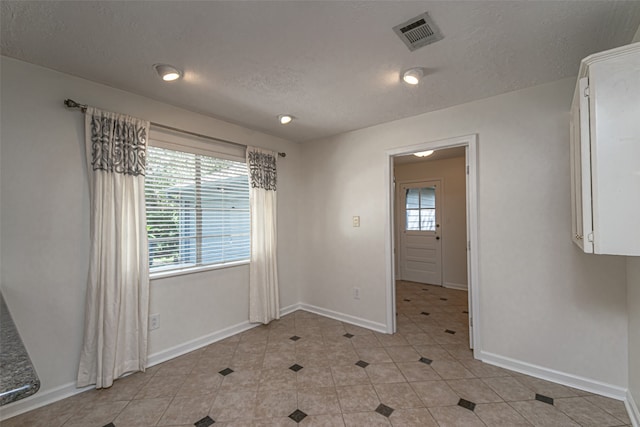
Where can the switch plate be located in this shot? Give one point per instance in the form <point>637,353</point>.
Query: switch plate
<point>356,293</point>
<point>356,221</point>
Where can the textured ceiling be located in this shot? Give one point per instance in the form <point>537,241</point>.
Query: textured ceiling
<point>333,65</point>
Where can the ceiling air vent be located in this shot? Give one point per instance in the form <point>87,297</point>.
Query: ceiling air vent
<point>417,32</point>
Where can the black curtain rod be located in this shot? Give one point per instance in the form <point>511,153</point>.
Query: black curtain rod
<point>70,103</point>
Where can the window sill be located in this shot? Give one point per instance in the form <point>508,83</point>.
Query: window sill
<point>191,270</point>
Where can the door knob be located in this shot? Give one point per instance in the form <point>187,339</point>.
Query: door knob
<point>437,237</point>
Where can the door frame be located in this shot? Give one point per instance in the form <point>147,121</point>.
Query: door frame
<point>399,220</point>
<point>473,282</point>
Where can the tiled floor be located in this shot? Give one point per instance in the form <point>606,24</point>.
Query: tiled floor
<point>316,371</point>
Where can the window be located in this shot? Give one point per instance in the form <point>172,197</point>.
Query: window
<point>197,210</point>
<point>421,209</point>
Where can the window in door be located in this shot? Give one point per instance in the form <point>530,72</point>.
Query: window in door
<point>421,209</point>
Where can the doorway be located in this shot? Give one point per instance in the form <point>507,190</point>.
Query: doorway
<point>469,143</point>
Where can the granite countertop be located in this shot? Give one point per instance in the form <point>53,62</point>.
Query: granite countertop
<point>18,378</point>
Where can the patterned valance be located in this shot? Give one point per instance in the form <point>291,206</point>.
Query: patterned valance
<point>262,169</point>
<point>118,142</point>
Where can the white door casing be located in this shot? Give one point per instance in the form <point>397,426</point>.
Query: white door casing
<point>471,144</point>
<point>420,229</point>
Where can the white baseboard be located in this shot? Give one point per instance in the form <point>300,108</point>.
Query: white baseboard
<point>457,286</point>
<point>575,381</point>
<point>42,398</point>
<point>357,321</point>
<point>632,409</point>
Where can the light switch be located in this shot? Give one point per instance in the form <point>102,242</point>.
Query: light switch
<point>356,221</point>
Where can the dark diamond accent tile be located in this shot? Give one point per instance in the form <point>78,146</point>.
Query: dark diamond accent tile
<point>465,312</point>
<point>294,338</point>
<point>298,415</point>
<point>425,360</point>
<point>425,289</point>
<point>544,399</point>
<point>443,299</point>
<point>109,425</point>
<point>449,331</point>
<point>383,409</point>
<point>348,335</point>
<point>226,372</point>
<point>362,363</point>
<point>205,422</point>
<point>407,300</point>
<point>424,313</point>
<point>295,367</point>
<point>466,404</point>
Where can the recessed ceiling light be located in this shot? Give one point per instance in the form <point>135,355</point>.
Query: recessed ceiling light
<point>423,153</point>
<point>413,76</point>
<point>285,119</point>
<point>167,72</point>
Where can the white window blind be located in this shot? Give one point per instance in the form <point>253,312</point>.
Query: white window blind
<point>197,210</point>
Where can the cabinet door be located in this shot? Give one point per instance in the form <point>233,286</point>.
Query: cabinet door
<point>582,224</point>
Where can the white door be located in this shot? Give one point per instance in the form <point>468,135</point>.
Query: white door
<point>420,233</point>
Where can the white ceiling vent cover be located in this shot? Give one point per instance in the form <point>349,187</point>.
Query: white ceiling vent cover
<point>417,32</point>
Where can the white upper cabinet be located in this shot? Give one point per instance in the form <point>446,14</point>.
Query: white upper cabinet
<point>605,153</point>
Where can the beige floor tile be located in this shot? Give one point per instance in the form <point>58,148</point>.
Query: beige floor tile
<point>211,363</point>
<point>388,340</point>
<point>273,422</point>
<point>418,338</point>
<point>361,341</point>
<point>455,416</point>
<point>275,403</point>
<point>200,383</point>
<point>373,355</point>
<point>450,369</point>
<point>509,388</point>
<point>398,396</point>
<point>234,404</point>
<point>166,386</point>
<point>53,415</point>
<point>612,406</point>
<point>474,390</point>
<point>277,379</point>
<point>349,375</point>
<point>459,351</point>
<point>380,373</point>
<point>500,415</point>
<point>417,417</point>
<point>418,371</point>
<point>186,410</point>
<point>545,388</point>
<point>323,421</point>
<point>434,352</point>
<point>484,370</point>
<point>542,415</point>
<point>142,413</point>
<point>357,398</point>
<point>319,401</point>
<point>404,353</point>
<point>435,393</point>
<point>342,356</point>
<point>252,347</point>
<point>314,377</point>
<point>586,413</point>
<point>97,414</point>
<point>242,378</point>
<point>365,419</point>
<point>182,365</point>
<point>248,361</point>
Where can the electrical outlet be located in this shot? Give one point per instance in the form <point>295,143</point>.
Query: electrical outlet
<point>356,293</point>
<point>356,221</point>
<point>154,322</point>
